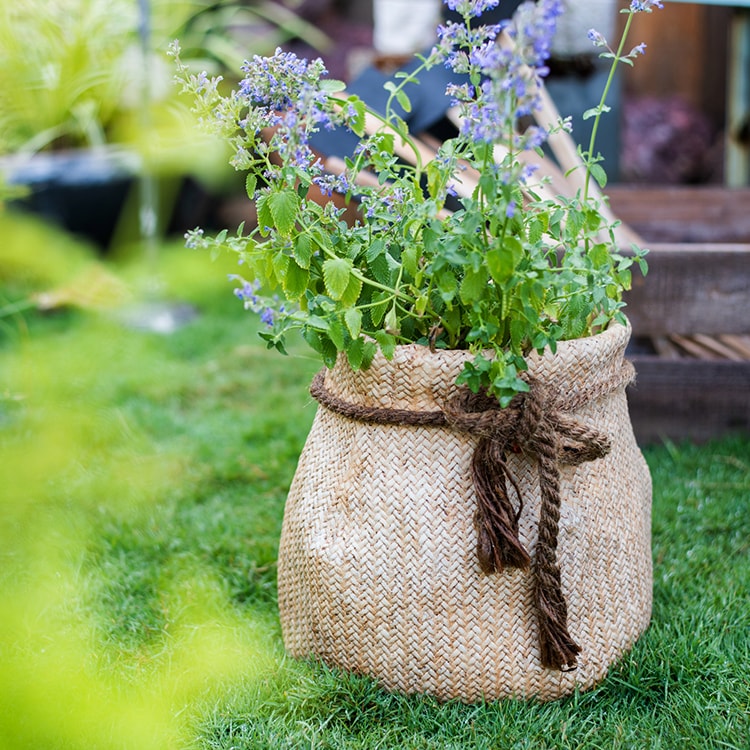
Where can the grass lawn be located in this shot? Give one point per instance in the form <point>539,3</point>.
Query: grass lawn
<point>142,481</point>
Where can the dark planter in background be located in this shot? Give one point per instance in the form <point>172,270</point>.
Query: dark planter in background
<point>83,191</point>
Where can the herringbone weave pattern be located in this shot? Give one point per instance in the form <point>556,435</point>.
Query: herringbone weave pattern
<point>378,570</point>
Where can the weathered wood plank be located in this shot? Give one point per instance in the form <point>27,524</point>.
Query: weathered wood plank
<point>692,289</point>
<point>688,399</point>
<point>684,214</point>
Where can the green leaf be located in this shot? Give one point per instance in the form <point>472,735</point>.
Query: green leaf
<point>322,239</point>
<point>387,343</point>
<point>251,182</point>
<point>318,323</point>
<point>409,259</point>
<point>488,185</point>
<point>265,218</point>
<point>380,305</point>
<point>374,250</point>
<point>355,353</point>
<point>502,261</point>
<point>303,250</point>
<point>598,173</point>
<point>280,264</point>
<point>447,284</point>
<point>400,95</point>
<point>295,280</point>
<point>380,269</point>
<point>537,228</point>
<point>352,291</point>
<point>331,85</point>
<point>336,273</point>
<point>353,320</point>
<point>283,206</point>
<point>368,353</point>
<point>321,344</point>
<point>356,122</point>
<point>599,255</point>
<point>337,333</point>
<point>473,286</point>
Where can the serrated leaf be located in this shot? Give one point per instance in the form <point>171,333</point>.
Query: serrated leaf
<point>387,343</point>
<point>322,344</point>
<point>473,285</point>
<point>355,353</point>
<point>356,121</point>
<point>599,255</point>
<point>379,306</point>
<point>296,279</point>
<point>502,261</point>
<point>380,270</point>
<point>251,182</point>
<point>303,250</point>
<point>336,274</point>
<point>283,206</point>
<point>352,291</point>
<point>369,351</point>
<point>280,265</point>
<point>336,333</point>
<point>409,259</point>
<point>374,250</point>
<point>353,320</point>
<point>321,239</point>
<point>447,284</point>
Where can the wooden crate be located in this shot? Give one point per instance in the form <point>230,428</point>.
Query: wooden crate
<point>691,314</point>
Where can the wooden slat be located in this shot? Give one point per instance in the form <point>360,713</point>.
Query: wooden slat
<point>718,347</point>
<point>740,344</point>
<point>692,289</point>
<point>688,399</point>
<point>668,213</point>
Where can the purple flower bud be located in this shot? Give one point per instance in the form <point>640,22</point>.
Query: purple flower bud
<point>597,38</point>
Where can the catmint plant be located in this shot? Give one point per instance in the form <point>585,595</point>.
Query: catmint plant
<point>431,258</point>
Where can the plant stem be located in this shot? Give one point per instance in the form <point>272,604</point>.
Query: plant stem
<point>602,101</point>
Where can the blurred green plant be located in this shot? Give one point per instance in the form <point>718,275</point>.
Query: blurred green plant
<point>71,68</point>
<point>61,272</point>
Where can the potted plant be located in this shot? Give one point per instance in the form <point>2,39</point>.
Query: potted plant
<point>475,374</point>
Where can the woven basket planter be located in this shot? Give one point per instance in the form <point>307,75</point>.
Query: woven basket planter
<point>379,571</point>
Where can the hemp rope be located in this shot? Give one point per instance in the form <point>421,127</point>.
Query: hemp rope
<point>535,423</point>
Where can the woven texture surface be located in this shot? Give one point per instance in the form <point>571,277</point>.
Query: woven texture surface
<point>377,563</point>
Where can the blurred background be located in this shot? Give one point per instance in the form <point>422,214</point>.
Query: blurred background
<point>88,107</point>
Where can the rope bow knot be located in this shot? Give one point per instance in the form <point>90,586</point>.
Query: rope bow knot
<point>539,427</point>
<point>532,426</point>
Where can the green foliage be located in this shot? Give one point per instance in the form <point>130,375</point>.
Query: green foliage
<point>503,274</point>
<point>73,72</point>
